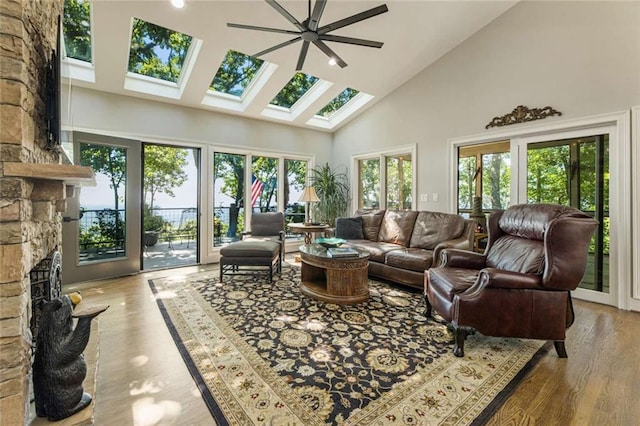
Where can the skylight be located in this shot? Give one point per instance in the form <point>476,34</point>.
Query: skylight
<point>77,29</point>
<point>294,90</point>
<point>156,51</point>
<point>338,102</point>
<point>235,74</point>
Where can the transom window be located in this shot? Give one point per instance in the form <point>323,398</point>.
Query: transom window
<point>77,29</point>
<point>338,102</point>
<point>236,72</point>
<point>294,90</point>
<point>156,51</point>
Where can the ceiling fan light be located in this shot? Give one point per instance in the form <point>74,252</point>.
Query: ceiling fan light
<point>332,61</point>
<point>178,3</point>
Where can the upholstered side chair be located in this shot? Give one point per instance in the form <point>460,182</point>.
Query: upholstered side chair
<point>267,227</point>
<point>520,286</point>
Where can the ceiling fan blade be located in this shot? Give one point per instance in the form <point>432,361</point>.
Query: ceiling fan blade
<point>282,11</point>
<point>314,19</point>
<point>330,53</point>
<point>303,55</point>
<point>353,19</point>
<point>277,46</point>
<point>351,40</point>
<point>252,27</point>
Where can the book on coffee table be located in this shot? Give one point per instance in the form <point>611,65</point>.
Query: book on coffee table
<point>342,252</point>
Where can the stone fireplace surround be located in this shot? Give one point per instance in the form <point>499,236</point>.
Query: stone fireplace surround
<point>34,186</point>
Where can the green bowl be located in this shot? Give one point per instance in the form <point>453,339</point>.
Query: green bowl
<point>330,242</point>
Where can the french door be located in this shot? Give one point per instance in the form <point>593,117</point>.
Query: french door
<point>572,169</point>
<point>101,227</point>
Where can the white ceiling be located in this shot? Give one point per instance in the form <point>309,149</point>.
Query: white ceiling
<point>415,34</point>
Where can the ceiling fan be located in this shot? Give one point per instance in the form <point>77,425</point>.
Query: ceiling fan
<point>310,31</point>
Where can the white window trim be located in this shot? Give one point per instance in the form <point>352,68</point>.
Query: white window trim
<point>305,101</point>
<point>337,117</point>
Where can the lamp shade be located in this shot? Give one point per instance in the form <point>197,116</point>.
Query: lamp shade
<point>309,195</point>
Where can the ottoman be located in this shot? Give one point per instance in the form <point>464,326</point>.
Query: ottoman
<point>250,257</point>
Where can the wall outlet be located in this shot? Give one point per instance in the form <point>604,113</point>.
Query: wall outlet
<point>424,197</point>
<point>435,197</point>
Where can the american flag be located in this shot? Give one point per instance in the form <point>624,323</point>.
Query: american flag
<point>256,190</point>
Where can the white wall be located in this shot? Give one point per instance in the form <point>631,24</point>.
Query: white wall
<point>104,113</point>
<point>582,58</point>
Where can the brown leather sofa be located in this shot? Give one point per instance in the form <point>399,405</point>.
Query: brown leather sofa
<point>520,286</point>
<point>403,244</point>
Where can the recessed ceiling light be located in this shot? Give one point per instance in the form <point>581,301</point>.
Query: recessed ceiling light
<point>178,3</point>
<point>332,61</point>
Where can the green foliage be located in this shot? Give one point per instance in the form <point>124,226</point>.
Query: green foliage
<point>338,102</point>
<point>108,160</point>
<point>299,84</point>
<point>466,182</point>
<point>265,169</point>
<point>496,180</point>
<point>77,29</point>
<point>163,171</point>
<point>332,187</point>
<point>157,51</point>
<point>399,182</point>
<point>370,183</point>
<point>230,168</point>
<point>235,73</point>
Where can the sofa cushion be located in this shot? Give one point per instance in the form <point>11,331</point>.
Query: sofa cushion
<point>397,226</point>
<point>377,251</point>
<point>371,220</point>
<point>432,228</point>
<point>414,259</point>
<point>349,228</point>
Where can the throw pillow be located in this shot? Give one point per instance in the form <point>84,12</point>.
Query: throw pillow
<point>349,228</point>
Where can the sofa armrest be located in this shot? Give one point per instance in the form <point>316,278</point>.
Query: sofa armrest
<point>456,258</point>
<point>457,243</point>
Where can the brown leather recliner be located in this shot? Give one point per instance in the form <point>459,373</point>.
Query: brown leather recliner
<point>520,287</point>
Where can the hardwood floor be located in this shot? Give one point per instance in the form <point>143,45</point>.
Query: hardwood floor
<point>142,379</point>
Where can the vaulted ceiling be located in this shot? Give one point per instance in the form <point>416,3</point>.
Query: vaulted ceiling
<point>415,35</point>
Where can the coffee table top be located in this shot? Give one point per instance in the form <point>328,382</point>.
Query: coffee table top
<point>320,251</point>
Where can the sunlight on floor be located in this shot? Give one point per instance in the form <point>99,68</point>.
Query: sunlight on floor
<point>147,412</point>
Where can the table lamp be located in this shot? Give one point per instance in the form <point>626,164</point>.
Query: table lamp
<point>308,196</point>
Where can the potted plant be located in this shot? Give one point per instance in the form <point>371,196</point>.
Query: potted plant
<point>332,187</point>
<point>152,226</point>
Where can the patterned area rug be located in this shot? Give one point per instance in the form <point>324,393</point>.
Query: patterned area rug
<point>262,353</point>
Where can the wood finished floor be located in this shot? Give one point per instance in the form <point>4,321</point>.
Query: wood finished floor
<point>143,381</point>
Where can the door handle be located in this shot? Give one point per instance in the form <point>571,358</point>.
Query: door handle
<point>69,219</point>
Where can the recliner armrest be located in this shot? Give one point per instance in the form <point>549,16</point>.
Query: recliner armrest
<point>497,278</point>
<point>456,258</point>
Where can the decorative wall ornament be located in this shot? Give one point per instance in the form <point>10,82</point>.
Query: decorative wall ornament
<point>521,114</point>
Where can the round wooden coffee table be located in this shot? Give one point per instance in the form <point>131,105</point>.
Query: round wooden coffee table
<point>334,280</point>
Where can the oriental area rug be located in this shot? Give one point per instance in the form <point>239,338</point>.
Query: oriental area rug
<point>262,353</point>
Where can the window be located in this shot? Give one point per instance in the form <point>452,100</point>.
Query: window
<point>399,180</point>
<point>235,74</point>
<point>294,90</point>
<point>369,184</point>
<point>338,102</point>
<point>264,184</point>
<point>484,173</point>
<point>77,29</point>
<point>392,169</point>
<point>228,197</point>
<point>295,175</point>
<point>156,51</point>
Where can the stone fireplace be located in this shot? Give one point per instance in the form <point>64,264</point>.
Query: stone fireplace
<point>33,186</point>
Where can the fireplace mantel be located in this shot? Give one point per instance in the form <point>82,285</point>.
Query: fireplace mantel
<point>68,173</point>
